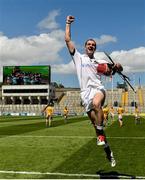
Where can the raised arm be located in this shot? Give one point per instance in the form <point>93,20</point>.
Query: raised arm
<point>68,41</point>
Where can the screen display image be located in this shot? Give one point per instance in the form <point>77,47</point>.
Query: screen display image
<point>26,75</point>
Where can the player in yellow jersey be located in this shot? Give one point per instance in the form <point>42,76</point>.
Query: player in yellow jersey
<point>120,112</point>
<point>48,110</point>
<point>106,112</point>
<point>137,117</point>
<point>112,113</point>
<point>65,113</point>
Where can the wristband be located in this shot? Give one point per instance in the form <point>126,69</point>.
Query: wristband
<point>67,22</point>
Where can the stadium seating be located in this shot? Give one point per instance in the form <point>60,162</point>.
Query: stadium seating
<point>70,97</point>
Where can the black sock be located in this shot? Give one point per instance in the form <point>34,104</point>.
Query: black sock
<point>107,150</point>
<point>100,131</point>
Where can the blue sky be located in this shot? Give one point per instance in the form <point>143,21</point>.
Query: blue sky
<point>32,33</point>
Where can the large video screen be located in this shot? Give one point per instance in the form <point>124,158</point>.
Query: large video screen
<point>26,75</point>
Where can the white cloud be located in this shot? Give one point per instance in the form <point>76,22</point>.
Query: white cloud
<point>49,22</point>
<point>132,60</point>
<point>105,39</point>
<point>32,49</point>
<point>64,68</point>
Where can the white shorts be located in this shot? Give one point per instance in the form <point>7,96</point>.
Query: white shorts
<point>120,117</point>
<point>87,97</point>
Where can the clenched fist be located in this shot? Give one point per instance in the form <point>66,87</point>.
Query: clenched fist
<point>70,19</point>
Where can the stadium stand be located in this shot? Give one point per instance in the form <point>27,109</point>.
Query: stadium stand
<point>140,97</point>
<point>70,97</point>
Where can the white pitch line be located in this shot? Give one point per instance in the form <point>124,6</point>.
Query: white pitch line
<point>125,137</point>
<point>71,137</point>
<point>70,175</point>
<point>48,173</point>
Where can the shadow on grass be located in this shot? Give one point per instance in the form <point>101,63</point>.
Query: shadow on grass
<point>69,121</point>
<point>29,127</point>
<point>4,119</point>
<point>20,129</point>
<point>114,175</point>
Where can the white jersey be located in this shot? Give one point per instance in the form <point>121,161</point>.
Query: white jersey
<point>89,79</point>
<point>87,71</point>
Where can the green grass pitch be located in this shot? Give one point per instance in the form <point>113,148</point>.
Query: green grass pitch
<point>68,150</point>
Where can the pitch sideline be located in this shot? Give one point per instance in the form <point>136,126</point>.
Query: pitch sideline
<point>69,175</point>
<point>72,137</point>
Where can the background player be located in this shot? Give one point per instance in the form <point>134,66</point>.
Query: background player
<point>111,110</point>
<point>65,113</point>
<point>137,117</point>
<point>106,113</point>
<point>48,110</point>
<point>120,112</point>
